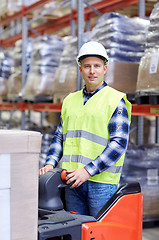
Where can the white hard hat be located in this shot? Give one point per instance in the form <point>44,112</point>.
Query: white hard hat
<point>92,48</point>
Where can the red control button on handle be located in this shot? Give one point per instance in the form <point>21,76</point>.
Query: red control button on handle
<point>63,175</point>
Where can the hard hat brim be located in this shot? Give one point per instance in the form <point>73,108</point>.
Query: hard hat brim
<point>79,59</point>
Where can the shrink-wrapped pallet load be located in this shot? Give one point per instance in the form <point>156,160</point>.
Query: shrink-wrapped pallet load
<point>19,163</point>
<point>5,72</point>
<point>122,36</point>
<point>15,79</point>
<point>3,9</point>
<point>148,74</point>
<point>46,55</point>
<point>16,5</point>
<point>66,74</point>
<point>124,40</point>
<point>147,88</point>
<point>142,165</point>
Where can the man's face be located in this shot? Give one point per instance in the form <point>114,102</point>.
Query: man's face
<point>93,70</point>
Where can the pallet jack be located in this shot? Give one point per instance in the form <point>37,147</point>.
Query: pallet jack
<point>120,218</point>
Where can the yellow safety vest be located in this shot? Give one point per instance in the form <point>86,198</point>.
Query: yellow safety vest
<point>85,131</point>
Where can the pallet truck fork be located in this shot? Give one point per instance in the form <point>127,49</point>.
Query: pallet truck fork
<point>120,218</point>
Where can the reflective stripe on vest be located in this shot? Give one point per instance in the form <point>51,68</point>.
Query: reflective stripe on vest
<point>87,135</point>
<point>85,161</point>
<point>85,131</point>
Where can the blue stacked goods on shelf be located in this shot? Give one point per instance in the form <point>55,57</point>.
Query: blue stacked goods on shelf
<point>142,165</point>
<point>123,37</point>
<point>15,79</point>
<point>152,40</point>
<point>5,72</point>
<point>5,64</point>
<point>46,56</point>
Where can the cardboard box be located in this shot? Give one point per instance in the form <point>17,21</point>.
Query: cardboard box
<point>65,79</point>
<point>19,164</point>
<point>148,74</point>
<point>122,76</point>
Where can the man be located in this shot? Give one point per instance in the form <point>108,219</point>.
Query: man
<point>92,136</point>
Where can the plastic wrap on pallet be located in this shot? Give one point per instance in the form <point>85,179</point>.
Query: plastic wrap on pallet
<point>123,22</point>
<point>15,79</point>
<point>152,40</point>
<point>123,37</point>
<point>5,64</point>
<point>16,5</point>
<point>46,56</point>
<point>14,85</point>
<point>118,54</point>
<point>17,54</point>
<point>142,165</point>
<point>66,74</point>
<point>148,74</point>
<point>5,72</point>
<point>3,8</point>
<point>70,51</point>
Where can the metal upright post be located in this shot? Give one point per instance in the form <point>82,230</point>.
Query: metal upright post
<point>157,129</point>
<point>24,47</point>
<point>73,24</point>
<point>141,11</point>
<point>140,130</point>
<point>80,36</point>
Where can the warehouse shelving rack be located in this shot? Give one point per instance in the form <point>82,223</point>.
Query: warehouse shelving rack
<point>137,110</point>
<point>78,15</point>
<point>61,22</point>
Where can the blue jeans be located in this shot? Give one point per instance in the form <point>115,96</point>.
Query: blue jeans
<point>89,198</point>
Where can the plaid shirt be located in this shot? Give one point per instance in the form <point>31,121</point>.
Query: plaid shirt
<point>118,130</point>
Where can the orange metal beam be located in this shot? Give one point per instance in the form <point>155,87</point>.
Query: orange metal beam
<point>44,107</point>
<point>145,110</point>
<point>110,6</point>
<point>48,27</point>
<point>6,43</point>
<point>137,110</point>
<point>22,106</point>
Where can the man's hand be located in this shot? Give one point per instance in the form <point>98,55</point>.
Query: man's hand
<point>78,176</point>
<point>45,169</point>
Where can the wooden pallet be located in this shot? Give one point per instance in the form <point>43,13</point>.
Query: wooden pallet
<point>147,99</point>
<point>151,222</point>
